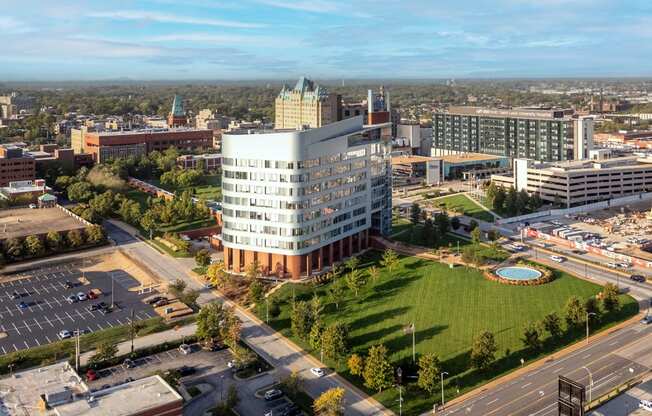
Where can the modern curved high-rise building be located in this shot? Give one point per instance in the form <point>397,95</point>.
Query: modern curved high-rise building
<point>297,201</point>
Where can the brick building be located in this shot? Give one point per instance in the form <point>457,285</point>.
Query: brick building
<point>15,166</point>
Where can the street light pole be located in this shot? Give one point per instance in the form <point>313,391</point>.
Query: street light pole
<point>131,323</point>
<point>444,373</point>
<point>590,382</point>
<point>112,291</point>
<point>588,315</point>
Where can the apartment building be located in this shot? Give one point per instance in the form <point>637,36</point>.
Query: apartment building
<point>15,165</point>
<point>544,135</point>
<point>297,201</point>
<point>581,182</point>
<point>177,116</point>
<point>307,104</point>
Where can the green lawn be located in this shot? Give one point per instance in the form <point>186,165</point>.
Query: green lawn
<point>463,202</point>
<point>210,190</point>
<point>404,231</point>
<point>449,307</point>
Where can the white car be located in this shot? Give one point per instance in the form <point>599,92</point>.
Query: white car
<point>231,364</point>
<point>558,259</point>
<point>318,372</point>
<point>185,349</point>
<point>81,296</point>
<point>64,334</point>
<point>646,404</point>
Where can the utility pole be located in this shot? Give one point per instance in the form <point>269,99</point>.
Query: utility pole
<point>77,351</point>
<point>267,310</point>
<point>131,323</point>
<point>112,290</point>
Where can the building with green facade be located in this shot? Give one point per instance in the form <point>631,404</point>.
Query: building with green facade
<point>543,135</point>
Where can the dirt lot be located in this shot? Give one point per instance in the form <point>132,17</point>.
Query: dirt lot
<point>22,222</point>
<point>120,263</point>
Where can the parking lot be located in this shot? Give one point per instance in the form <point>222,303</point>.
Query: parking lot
<point>45,310</point>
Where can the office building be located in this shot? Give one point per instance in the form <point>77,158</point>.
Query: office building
<point>209,162</point>
<point>12,105</point>
<point>581,182</point>
<point>544,135</point>
<point>122,144</point>
<point>15,165</point>
<point>307,104</point>
<point>297,201</point>
<point>375,109</point>
<point>177,116</point>
<point>436,170</point>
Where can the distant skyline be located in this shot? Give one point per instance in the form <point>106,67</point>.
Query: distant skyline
<point>283,39</point>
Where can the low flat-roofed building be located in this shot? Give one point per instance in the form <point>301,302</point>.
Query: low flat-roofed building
<point>57,390</point>
<point>208,162</point>
<point>581,182</point>
<point>24,191</point>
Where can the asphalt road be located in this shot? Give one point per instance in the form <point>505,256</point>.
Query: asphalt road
<point>47,311</point>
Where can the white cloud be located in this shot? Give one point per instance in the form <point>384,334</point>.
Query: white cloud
<point>226,39</point>
<point>171,18</point>
<point>12,26</point>
<point>315,6</point>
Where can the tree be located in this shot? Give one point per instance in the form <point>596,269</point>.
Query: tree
<point>94,234</point>
<point>130,211</point>
<point>511,202</point>
<point>389,259</point>
<point>522,201</point>
<point>532,336</point>
<point>428,234</point>
<point>483,352</point>
<point>356,365</point>
<point>177,287</point>
<point>378,372</point>
<point>442,223</point>
<point>335,341</point>
<point>53,240</point>
<point>373,273</point>
<point>352,263</point>
<point>500,199</point>
<point>355,280</point>
<point>574,312</point>
<point>610,300</point>
<point>292,384</point>
<point>34,245</point>
<point>315,337</point>
<point>591,306</point>
<point>105,351</point>
<point>552,324</point>
<point>455,223</point>
<point>316,307</point>
<point>256,292</point>
<point>14,247</point>
<point>203,258</point>
<point>490,194</point>
<point>252,271</point>
<point>535,202</point>
<point>473,224</point>
<point>75,238</point>
<point>429,370</point>
<point>209,318</point>
<point>80,192</point>
<point>301,319</point>
<point>330,403</point>
<point>475,235</point>
<point>336,292</point>
<point>217,274</point>
<point>149,221</point>
<point>415,213</point>
<point>190,297</point>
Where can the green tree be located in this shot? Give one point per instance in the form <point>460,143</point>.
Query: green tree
<point>522,201</point>
<point>209,319</point>
<point>149,221</point>
<point>535,202</point>
<point>378,372</point>
<point>355,280</point>
<point>107,350</point>
<point>80,192</point>
<point>374,273</point>
<point>428,234</point>
<point>14,247</point>
<point>94,234</point>
<point>552,324</point>
<point>455,223</point>
<point>256,292</point>
<point>475,235</point>
<point>389,259</point>
<point>483,352</point>
<point>330,403</point>
<point>442,223</point>
<point>335,341</point>
<point>415,213</point>
<point>591,306</point>
<point>103,203</point>
<point>336,292</point>
<point>574,312</point>
<point>473,224</point>
<point>316,333</point>
<point>34,246</point>
<point>202,257</point>
<point>301,319</point>
<point>252,270</point>
<point>53,240</point>
<point>177,288</point>
<point>356,364</point>
<point>532,336</point>
<point>75,238</point>
<point>610,300</point>
<point>352,263</point>
<point>500,199</point>
<point>511,202</point>
<point>490,194</point>
<point>429,370</point>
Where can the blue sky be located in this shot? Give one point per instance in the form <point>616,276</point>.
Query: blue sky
<point>282,39</point>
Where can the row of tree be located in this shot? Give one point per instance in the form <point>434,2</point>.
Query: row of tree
<point>33,246</point>
<point>511,202</point>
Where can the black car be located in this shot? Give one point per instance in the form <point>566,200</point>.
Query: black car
<point>105,310</point>
<point>291,410</point>
<point>93,307</point>
<point>637,278</point>
<point>153,300</point>
<point>15,295</point>
<point>186,370</point>
<point>68,284</point>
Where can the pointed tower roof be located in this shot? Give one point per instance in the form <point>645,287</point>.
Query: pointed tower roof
<point>177,106</point>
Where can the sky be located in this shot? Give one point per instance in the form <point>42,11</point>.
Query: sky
<point>324,39</point>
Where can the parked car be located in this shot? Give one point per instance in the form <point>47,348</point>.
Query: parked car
<point>318,372</point>
<point>68,284</point>
<point>186,370</point>
<point>273,394</point>
<point>15,295</point>
<point>647,320</point>
<point>153,300</point>
<point>185,349</point>
<point>71,299</point>
<point>104,310</point>
<point>160,302</point>
<point>93,294</point>
<point>558,259</point>
<point>91,375</point>
<point>81,296</point>
<point>93,307</point>
<point>291,410</point>
<point>637,278</point>
<point>129,379</point>
<point>128,363</point>
<point>23,305</point>
<point>646,404</point>
<point>64,334</point>
<point>32,206</point>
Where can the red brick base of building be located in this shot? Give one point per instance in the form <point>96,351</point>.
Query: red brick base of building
<point>295,267</point>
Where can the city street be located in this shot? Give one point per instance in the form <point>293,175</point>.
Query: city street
<point>45,309</point>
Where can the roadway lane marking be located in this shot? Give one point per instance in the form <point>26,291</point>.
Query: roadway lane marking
<point>558,369</point>
<point>526,385</point>
<point>586,356</point>
<point>492,402</point>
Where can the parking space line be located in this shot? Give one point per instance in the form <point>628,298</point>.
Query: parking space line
<point>36,290</point>
<point>58,301</point>
<point>3,350</point>
<point>16,328</point>
<point>50,322</point>
<point>110,324</point>
<point>80,315</point>
<point>71,318</point>
<point>60,320</point>
<point>39,325</point>
<point>36,340</point>
<point>27,326</point>
<point>45,289</point>
<point>26,346</point>
<point>48,338</point>
<point>119,321</point>
<point>10,313</point>
<point>15,347</point>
